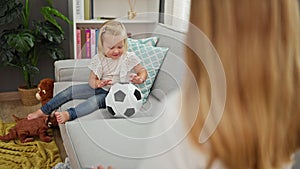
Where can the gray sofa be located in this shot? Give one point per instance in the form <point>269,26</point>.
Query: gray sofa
<point>99,138</point>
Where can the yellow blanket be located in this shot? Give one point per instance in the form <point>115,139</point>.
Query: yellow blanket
<point>32,155</point>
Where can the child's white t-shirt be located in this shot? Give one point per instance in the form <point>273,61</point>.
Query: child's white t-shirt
<point>117,70</point>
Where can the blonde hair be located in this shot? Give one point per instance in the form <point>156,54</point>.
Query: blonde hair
<point>258,44</point>
<point>113,28</point>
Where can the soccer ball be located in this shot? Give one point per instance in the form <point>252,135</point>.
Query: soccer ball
<point>123,100</point>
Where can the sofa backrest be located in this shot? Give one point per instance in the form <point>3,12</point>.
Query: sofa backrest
<point>72,70</point>
<point>171,73</point>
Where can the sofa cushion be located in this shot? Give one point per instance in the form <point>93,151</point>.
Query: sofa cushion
<point>150,41</point>
<point>170,76</point>
<point>151,58</point>
<point>106,142</point>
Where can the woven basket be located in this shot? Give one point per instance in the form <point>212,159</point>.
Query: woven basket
<point>28,96</point>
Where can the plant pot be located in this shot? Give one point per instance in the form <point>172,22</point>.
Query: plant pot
<point>28,96</point>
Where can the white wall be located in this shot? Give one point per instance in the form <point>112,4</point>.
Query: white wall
<point>119,8</point>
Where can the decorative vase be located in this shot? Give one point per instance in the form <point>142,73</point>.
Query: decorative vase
<point>131,14</point>
<point>28,96</point>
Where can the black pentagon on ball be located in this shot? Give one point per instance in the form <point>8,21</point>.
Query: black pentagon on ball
<point>110,110</point>
<point>119,96</point>
<point>129,112</point>
<point>137,94</point>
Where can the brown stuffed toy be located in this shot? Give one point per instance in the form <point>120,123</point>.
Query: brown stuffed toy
<point>45,90</point>
<point>26,129</point>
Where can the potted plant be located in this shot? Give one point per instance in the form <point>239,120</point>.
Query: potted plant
<point>22,46</point>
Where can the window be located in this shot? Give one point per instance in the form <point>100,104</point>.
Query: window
<point>176,13</point>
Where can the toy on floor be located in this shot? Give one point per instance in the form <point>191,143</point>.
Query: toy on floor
<point>123,100</point>
<point>45,90</point>
<point>25,129</point>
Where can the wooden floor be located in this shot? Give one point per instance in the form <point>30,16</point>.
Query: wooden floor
<point>14,106</point>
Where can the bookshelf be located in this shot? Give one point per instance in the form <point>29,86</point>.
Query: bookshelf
<point>144,22</point>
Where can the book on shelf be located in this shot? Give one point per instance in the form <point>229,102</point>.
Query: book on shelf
<point>86,42</point>
<point>78,44</point>
<point>96,39</point>
<point>79,10</point>
<point>93,42</point>
<point>83,41</point>
<point>88,9</point>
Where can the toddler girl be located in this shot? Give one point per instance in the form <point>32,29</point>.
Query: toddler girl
<point>111,65</point>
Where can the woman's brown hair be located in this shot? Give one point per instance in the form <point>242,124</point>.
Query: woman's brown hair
<point>258,44</point>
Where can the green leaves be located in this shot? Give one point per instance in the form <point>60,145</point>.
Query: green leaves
<point>22,47</point>
<point>28,72</point>
<point>21,41</point>
<point>9,10</point>
<point>56,52</point>
<point>49,32</point>
<point>30,69</point>
<point>49,13</point>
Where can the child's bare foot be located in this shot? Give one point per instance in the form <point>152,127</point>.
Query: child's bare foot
<point>35,114</point>
<point>62,117</point>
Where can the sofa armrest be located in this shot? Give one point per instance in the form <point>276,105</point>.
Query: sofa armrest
<point>72,70</point>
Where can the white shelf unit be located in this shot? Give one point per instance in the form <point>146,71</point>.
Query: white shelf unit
<point>143,23</point>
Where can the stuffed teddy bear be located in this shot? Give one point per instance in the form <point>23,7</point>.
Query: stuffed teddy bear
<point>25,129</point>
<point>45,90</point>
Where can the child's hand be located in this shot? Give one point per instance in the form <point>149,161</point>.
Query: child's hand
<point>134,78</point>
<point>101,167</point>
<point>103,83</point>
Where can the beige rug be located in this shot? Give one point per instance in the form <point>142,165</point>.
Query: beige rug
<point>32,155</point>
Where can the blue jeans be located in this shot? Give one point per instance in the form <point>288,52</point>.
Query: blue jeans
<point>95,100</point>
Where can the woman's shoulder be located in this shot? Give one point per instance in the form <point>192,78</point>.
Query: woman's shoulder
<point>184,152</point>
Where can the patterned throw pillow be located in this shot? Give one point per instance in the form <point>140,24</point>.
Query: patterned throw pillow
<point>151,58</point>
<point>151,41</point>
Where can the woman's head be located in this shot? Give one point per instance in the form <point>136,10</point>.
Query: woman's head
<point>112,41</point>
<point>258,44</point>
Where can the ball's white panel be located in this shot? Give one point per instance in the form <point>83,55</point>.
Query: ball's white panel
<point>123,100</point>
